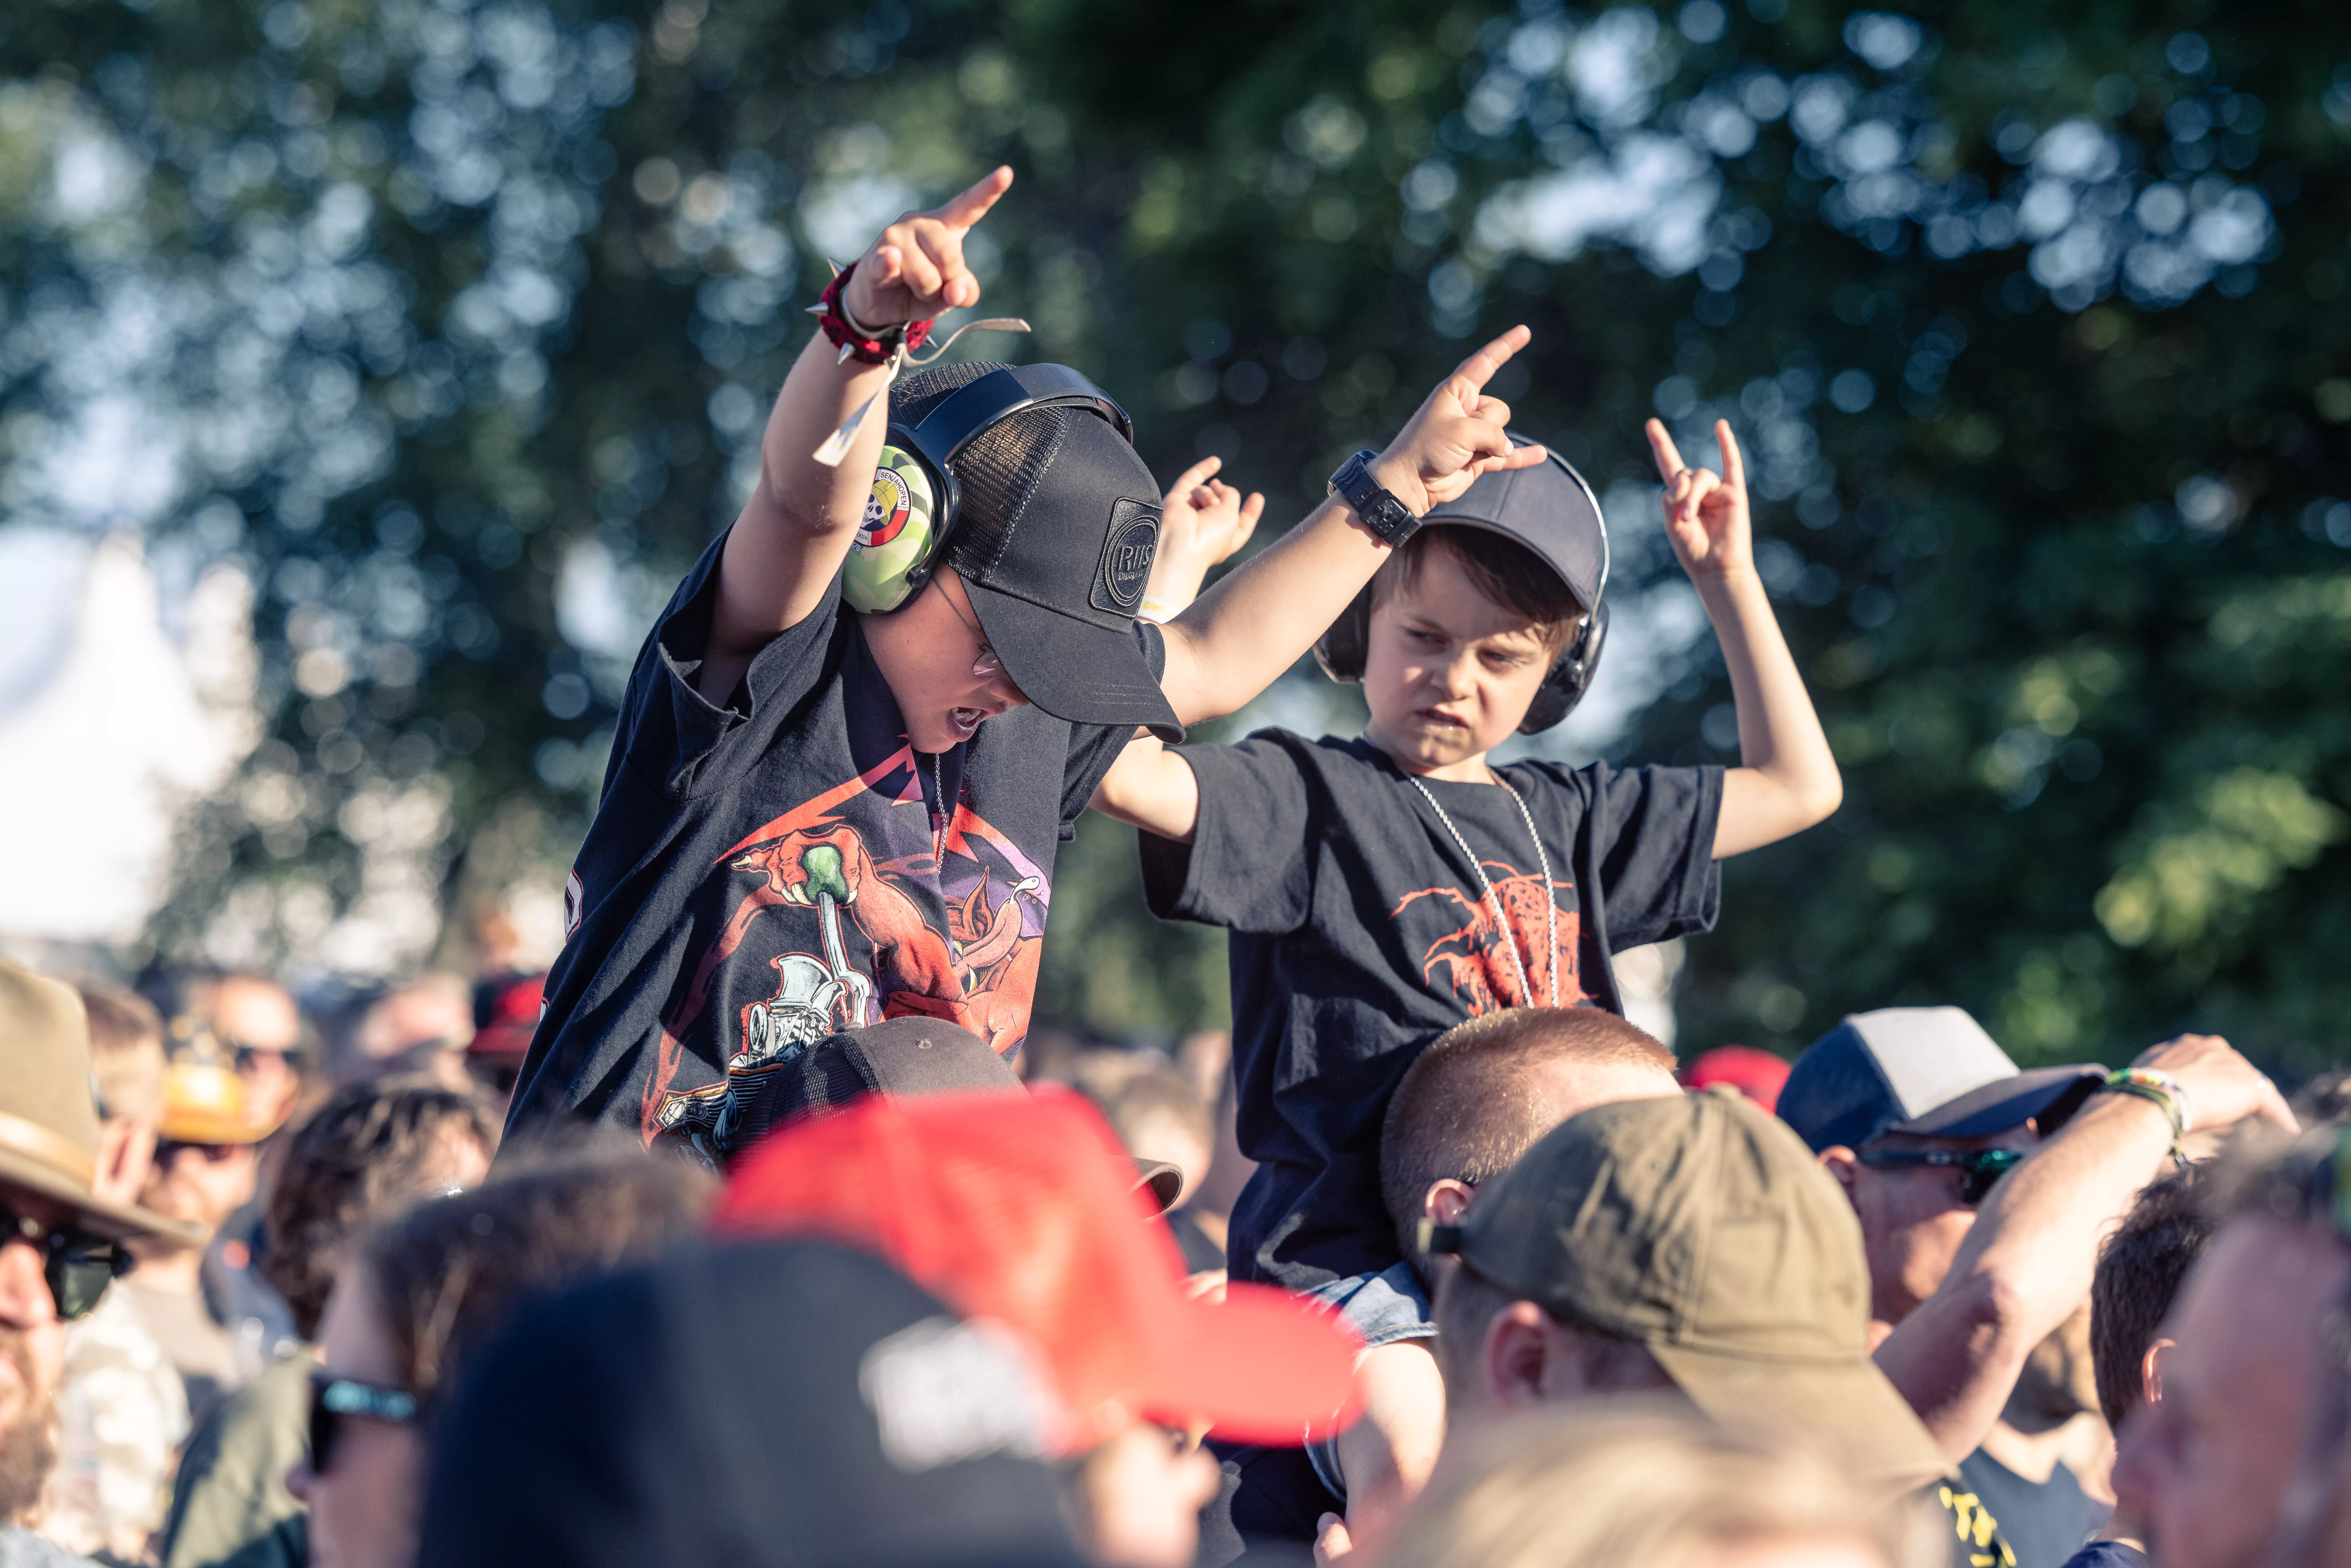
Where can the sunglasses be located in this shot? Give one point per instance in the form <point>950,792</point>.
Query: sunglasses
<point>77,1264</point>
<point>1978,1168</point>
<point>246,1058</point>
<point>332,1398</point>
<point>167,1149</point>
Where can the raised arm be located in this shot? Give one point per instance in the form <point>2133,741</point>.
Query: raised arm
<point>1257,622</point>
<point>802,516</point>
<point>2026,1264</point>
<point>1787,779</point>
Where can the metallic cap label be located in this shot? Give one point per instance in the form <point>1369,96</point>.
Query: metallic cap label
<point>1128,551</point>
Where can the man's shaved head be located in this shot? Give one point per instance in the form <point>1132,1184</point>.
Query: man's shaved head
<point>1486,1091</point>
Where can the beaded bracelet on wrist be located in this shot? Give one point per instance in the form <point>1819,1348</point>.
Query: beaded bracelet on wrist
<point>867,345</point>
<point>2160,1090</point>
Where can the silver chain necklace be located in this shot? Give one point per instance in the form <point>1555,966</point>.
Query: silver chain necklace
<point>1486,889</point>
<point>942,815</point>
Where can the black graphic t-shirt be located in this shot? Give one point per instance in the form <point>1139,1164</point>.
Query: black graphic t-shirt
<point>1359,935</point>
<point>763,872</point>
<point>2044,1522</point>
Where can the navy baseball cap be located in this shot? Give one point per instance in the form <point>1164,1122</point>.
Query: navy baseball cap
<point>1548,509</point>
<point>1931,1070</point>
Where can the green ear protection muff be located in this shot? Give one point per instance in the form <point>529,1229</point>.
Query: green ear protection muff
<point>911,515</point>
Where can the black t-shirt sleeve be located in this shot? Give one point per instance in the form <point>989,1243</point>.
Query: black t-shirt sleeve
<point>1249,865</point>
<point>680,742</point>
<point>1653,845</point>
<point>1094,747</point>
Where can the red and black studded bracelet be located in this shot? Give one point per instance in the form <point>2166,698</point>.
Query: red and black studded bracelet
<point>853,338</point>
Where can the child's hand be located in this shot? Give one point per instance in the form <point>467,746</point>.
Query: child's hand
<point>916,270</point>
<point>1706,513</point>
<point>1203,521</point>
<point>1457,434</point>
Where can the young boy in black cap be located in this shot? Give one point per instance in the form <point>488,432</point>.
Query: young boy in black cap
<point>874,708</point>
<point>1381,890</point>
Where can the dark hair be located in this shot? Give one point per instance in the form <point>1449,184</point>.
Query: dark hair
<point>1466,1108</point>
<point>2140,1268</point>
<point>369,1149</point>
<point>1501,569</point>
<point>447,1274</point>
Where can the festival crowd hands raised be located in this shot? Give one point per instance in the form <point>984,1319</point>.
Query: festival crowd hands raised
<point>1497,1290</point>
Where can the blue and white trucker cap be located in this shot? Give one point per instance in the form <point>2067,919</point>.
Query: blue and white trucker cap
<point>1922,1069</point>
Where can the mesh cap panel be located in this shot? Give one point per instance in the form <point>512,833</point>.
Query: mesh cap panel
<point>1001,465</point>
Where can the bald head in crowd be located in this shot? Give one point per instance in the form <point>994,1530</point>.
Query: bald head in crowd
<point>1486,1091</point>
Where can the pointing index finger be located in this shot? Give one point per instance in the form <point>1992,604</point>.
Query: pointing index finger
<point>963,210</point>
<point>1480,368</point>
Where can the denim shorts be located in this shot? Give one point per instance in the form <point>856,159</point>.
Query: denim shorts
<point>1386,1308</point>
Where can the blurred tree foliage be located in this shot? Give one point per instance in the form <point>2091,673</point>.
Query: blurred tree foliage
<point>456,319</point>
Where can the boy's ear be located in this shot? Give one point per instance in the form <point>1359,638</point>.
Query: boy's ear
<point>1446,1199</point>
<point>1842,1164</point>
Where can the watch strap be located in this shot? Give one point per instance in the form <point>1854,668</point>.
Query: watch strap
<point>1373,502</point>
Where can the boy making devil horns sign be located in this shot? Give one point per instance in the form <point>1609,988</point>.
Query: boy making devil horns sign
<point>872,710</point>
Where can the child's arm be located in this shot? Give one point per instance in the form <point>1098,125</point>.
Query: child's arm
<point>802,516</point>
<point>1387,1455</point>
<point>1207,521</point>
<point>1258,621</point>
<point>1788,777</point>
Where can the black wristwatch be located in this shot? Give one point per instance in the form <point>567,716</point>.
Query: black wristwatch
<point>1381,511</point>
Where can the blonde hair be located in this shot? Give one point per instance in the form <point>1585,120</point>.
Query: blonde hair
<point>1640,1484</point>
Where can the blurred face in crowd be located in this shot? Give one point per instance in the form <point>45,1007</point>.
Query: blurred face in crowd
<point>1913,1218</point>
<point>1137,1498</point>
<point>255,1020</point>
<point>201,1184</point>
<point>32,1357</point>
<point>365,1498</point>
<point>1448,673</point>
<point>2207,1466</point>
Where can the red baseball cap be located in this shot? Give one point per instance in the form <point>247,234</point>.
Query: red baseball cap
<point>505,1015</point>
<point>1025,1212</point>
<point>1758,1074</point>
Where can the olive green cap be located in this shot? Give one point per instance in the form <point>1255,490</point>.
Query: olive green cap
<point>1701,1227</point>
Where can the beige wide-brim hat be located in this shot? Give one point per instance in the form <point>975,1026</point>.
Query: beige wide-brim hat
<point>48,1109</point>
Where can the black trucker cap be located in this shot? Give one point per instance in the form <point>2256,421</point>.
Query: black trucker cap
<point>1548,509</point>
<point>1931,1070</point>
<point>762,1404</point>
<point>1054,539</point>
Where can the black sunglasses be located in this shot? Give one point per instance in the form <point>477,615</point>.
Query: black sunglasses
<point>78,1264</point>
<point>332,1398</point>
<point>1979,1168</point>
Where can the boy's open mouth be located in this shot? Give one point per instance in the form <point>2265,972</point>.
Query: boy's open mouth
<point>966,721</point>
<point>1438,716</point>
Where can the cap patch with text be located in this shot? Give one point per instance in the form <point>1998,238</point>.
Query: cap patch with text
<point>1128,551</point>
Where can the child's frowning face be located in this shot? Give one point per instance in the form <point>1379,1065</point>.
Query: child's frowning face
<point>1448,672</point>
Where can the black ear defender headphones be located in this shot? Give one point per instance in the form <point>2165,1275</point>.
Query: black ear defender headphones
<point>912,513</point>
<point>1342,650</point>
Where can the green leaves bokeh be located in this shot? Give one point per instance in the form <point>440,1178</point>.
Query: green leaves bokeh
<point>2038,338</point>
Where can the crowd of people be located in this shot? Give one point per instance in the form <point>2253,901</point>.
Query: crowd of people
<point>764,1229</point>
